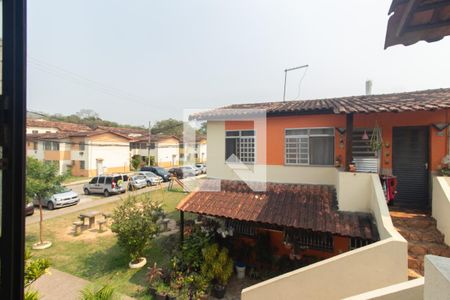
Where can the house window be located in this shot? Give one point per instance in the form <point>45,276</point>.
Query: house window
<point>356,242</point>
<point>48,145</point>
<point>82,165</point>
<point>34,132</point>
<point>309,146</point>
<point>240,143</point>
<point>55,146</point>
<point>307,239</point>
<point>35,145</point>
<point>82,146</point>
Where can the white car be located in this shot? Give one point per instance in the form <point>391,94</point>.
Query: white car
<point>152,178</point>
<point>64,197</point>
<point>202,168</point>
<point>137,182</point>
<point>194,170</point>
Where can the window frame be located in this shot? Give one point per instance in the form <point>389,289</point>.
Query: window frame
<point>82,165</point>
<point>308,135</point>
<point>239,137</point>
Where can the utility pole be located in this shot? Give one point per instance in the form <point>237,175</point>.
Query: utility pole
<point>149,141</point>
<point>285,77</point>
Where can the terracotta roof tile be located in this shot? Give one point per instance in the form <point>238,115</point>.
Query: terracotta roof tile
<point>62,126</point>
<point>399,102</point>
<point>311,207</point>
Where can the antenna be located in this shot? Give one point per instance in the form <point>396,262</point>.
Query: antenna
<point>285,77</point>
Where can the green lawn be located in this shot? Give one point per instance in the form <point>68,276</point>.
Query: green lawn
<point>100,260</point>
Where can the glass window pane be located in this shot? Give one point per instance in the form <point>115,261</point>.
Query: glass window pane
<point>322,150</point>
<point>248,133</point>
<point>232,133</point>
<point>297,132</point>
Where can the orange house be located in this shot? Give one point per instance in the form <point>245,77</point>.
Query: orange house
<point>302,151</point>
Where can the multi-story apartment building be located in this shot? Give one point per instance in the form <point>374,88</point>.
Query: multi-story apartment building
<point>164,148</point>
<point>82,153</point>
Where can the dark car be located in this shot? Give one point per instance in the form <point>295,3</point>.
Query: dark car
<point>29,209</point>
<point>182,172</point>
<point>161,172</point>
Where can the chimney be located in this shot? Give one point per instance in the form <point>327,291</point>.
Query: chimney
<point>368,87</point>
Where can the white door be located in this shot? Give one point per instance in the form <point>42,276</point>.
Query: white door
<point>99,166</point>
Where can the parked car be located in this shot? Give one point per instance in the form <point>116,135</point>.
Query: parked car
<point>194,170</point>
<point>152,178</point>
<point>64,197</point>
<point>137,182</point>
<point>161,172</point>
<point>29,209</point>
<point>107,184</point>
<point>182,172</point>
<point>202,167</point>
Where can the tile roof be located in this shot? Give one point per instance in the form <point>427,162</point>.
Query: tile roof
<point>302,206</point>
<point>62,126</point>
<point>124,130</point>
<point>417,20</point>
<point>67,134</point>
<point>398,102</point>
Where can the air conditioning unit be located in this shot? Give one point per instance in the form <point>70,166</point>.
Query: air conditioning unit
<point>81,152</point>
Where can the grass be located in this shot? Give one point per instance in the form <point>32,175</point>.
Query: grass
<point>100,260</point>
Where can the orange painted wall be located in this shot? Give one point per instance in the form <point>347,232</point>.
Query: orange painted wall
<point>386,121</point>
<point>52,155</point>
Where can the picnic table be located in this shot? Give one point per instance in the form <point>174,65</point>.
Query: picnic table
<point>91,216</point>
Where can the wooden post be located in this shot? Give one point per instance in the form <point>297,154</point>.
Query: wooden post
<point>348,141</point>
<point>181,227</point>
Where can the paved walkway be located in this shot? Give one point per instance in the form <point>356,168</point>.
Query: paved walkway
<point>419,229</point>
<point>60,285</point>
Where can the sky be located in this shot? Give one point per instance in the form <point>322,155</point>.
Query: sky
<point>138,61</point>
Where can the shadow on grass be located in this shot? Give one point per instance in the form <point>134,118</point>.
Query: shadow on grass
<point>102,262</point>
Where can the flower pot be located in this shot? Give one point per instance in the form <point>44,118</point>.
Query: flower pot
<point>203,297</point>
<point>240,270</point>
<point>160,296</point>
<point>171,297</point>
<point>219,291</point>
<point>142,261</point>
<point>152,291</point>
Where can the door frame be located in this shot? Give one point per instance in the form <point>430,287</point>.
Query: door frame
<point>428,159</point>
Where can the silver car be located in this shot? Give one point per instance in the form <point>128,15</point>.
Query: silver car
<point>152,178</point>
<point>107,185</point>
<point>201,167</point>
<point>194,170</point>
<point>137,182</point>
<point>64,197</point>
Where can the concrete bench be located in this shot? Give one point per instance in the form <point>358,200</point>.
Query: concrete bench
<point>100,225</point>
<point>78,225</point>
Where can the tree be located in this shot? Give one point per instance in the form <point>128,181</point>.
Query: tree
<point>168,127</point>
<point>136,162</point>
<point>135,222</point>
<point>202,129</point>
<point>42,181</point>
<point>87,114</point>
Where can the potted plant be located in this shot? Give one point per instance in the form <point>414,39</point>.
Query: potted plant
<point>135,223</point>
<point>172,294</point>
<point>217,267</point>
<point>153,277</point>
<point>240,270</point>
<point>162,290</point>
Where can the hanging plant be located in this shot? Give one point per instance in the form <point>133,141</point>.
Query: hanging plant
<point>376,141</point>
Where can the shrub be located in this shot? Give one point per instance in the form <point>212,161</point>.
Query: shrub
<point>104,293</point>
<point>218,265</point>
<point>135,223</point>
<point>34,268</point>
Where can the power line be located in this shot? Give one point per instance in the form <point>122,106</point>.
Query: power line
<point>87,82</point>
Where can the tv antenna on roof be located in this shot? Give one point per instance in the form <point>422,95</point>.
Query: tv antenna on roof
<point>285,77</point>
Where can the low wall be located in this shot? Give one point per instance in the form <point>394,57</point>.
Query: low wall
<point>371,267</point>
<point>441,205</point>
<point>408,290</point>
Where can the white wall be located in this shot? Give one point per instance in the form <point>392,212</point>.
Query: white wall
<point>437,278</point>
<point>408,290</point>
<point>41,129</point>
<point>441,205</point>
<point>113,156</point>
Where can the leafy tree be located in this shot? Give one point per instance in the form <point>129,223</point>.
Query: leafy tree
<point>136,161</point>
<point>42,181</point>
<point>135,222</point>
<point>202,129</point>
<point>168,127</point>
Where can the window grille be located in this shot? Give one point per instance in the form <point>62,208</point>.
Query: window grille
<point>240,143</point>
<point>309,146</point>
<point>242,228</point>
<point>356,242</point>
<point>306,239</point>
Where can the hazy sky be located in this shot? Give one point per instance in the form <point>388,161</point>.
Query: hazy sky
<point>138,61</point>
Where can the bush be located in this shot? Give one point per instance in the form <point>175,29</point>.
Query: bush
<point>135,222</point>
<point>104,293</point>
<point>218,265</point>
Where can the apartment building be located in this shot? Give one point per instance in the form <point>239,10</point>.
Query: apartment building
<point>87,153</point>
<point>164,148</point>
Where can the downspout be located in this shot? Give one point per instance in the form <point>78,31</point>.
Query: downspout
<point>348,141</point>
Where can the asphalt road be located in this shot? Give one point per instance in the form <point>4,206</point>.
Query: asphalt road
<point>88,201</point>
